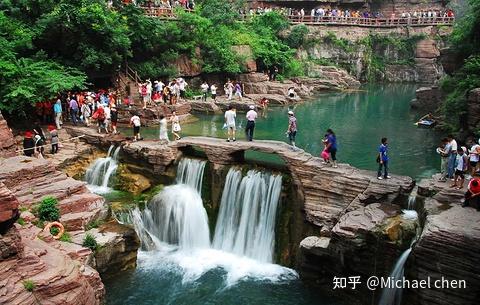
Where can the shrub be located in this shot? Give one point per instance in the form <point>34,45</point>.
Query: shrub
<point>90,242</point>
<point>54,230</point>
<point>48,210</point>
<point>297,36</point>
<point>29,285</point>
<point>21,221</point>
<point>66,237</point>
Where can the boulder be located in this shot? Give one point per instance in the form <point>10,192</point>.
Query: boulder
<point>8,208</point>
<point>427,99</point>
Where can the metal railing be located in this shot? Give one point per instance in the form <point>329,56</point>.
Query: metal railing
<point>168,13</point>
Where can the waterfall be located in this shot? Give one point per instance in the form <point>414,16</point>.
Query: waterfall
<point>393,295</point>
<point>190,172</point>
<point>98,175</point>
<point>246,220</point>
<point>412,199</point>
<point>175,216</point>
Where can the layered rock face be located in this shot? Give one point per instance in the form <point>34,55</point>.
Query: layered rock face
<point>7,142</point>
<point>32,179</point>
<point>447,249</point>
<point>53,276</point>
<point>427,99</point>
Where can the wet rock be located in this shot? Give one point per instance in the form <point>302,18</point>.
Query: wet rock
<point>118,245</point>
<point>133,183</point>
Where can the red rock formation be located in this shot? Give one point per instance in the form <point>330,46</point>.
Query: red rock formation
<point>7,142</point>
<point>8,208</point>
<point>32,179</point>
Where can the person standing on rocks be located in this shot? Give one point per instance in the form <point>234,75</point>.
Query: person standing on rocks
<point>331,141</point>
<point>452,156</point>
<point>213,90</point>
<point>460,169</point>
<point>86,113</point>
<point>114,118</point>
<point>176,129</point>
<point>251,117</point>
<point>163,136</point>
<point>204,88</point>
<point>136,123</point>
<point>238,91</point>
<point>230,116</point>
<point>474,157</point>
<point>57,108</point>
<point>383,160</point>
<point>53,139</point>
<point>443,151</point>
<point>73,105</point>
<point>292,128</point>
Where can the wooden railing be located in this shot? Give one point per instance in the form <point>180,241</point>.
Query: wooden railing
<point>168,13</point>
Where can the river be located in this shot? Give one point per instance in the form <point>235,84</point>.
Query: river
<point>359,119</point>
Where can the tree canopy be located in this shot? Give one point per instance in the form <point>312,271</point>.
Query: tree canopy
<point>51,46</point>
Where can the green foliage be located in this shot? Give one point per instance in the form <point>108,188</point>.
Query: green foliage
<point>458,86</point>
<point>21,221</point>
<point>94,224</point>
<point>294,68</point>
<point>465,40</point>
<point>54,231</point>
<point>66,237</point>
<point>339,42</point>
<point>221,11</point>
<point>90,242</point>
<point>48,210</point>
<point>297,36</point>
<point>29,285</point>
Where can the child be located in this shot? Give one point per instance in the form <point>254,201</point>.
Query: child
<point>325,155</point>
<point>460,168</point>
<point>114,118</point>
<point>54,139</point>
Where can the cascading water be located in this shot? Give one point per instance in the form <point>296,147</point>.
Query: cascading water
<point>98,175</point>
<point>173,228</point>
<point>190,172</point>
<point>246,221</point>
<point>175,216</point>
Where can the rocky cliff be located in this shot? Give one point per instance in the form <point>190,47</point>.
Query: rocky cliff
<point>7,142</point>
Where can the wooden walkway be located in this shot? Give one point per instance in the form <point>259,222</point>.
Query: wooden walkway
<point>169,14</point>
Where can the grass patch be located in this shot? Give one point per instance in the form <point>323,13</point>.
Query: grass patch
<point>90,242</point>
<point>66,237</point>
<point>29,285</point>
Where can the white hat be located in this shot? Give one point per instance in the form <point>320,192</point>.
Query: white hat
<point>252,107</point>
<point>290,112</point>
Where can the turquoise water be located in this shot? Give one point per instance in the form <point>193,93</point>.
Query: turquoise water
<point>359,119</point>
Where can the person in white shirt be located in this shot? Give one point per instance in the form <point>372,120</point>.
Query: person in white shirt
<point>108,119</point>
<point>251,117</point>
<point>229,89</point>
<point>213,90</point>
<point>163,135</point>
<point>182,85</point>
<point>204,88</point>
<point>230,116</point>
<point>474,157</point>
<point>135,122</point>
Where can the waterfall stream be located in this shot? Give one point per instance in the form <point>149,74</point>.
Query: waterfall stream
<point>246,221</point>
<point>174,225</point>
<point>98,175</point>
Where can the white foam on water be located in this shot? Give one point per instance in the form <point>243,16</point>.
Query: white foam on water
<point>100,190</point>
<point>193,264</point>
<point>410,214</point>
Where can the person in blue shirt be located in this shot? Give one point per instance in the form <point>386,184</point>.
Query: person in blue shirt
<point>57,108</point>
<point>383,160</point>
<point>331,148</point>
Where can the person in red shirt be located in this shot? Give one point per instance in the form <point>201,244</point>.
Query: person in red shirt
<point>472,195</point>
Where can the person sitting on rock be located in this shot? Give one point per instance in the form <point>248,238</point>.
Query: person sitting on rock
<point>472,195</point>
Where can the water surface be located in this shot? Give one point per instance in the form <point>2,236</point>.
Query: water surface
<point>360,120</point>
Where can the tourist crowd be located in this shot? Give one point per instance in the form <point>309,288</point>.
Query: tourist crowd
<point>317,13</point>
